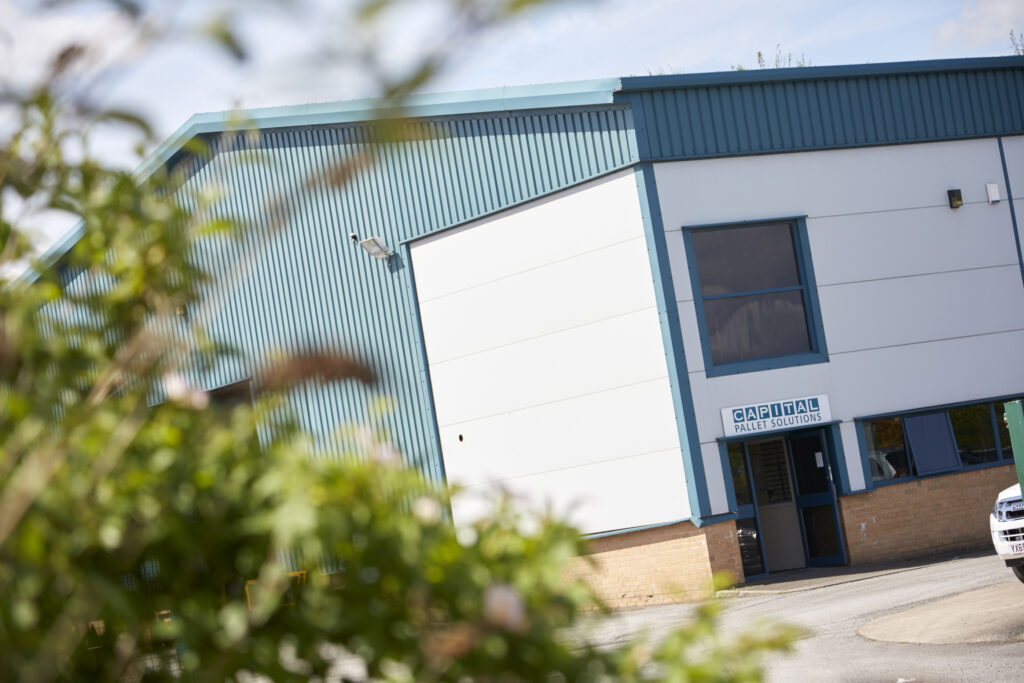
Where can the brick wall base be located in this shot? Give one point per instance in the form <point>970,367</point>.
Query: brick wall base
<point>672,563</point>
<point>924,517</point>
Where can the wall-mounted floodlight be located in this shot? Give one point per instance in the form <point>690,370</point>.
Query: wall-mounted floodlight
<point>956,200</point>
<point>375,248</point>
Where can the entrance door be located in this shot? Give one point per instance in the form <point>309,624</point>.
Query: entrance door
<point>786,504</point>
<point>815,498</point>
<point>776,505</point>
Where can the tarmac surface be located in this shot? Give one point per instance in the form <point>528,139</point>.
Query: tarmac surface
<point>947,619</point>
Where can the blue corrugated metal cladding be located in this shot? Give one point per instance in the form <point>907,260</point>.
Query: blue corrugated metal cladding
<point>788,110</point>
<point>307,283</point>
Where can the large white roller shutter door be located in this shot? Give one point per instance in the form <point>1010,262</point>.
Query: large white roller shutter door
<point>547,363</point>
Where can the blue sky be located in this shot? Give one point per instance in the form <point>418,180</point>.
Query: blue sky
<point>566,41</point>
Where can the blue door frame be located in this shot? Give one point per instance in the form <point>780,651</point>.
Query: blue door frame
<point>828,497</point>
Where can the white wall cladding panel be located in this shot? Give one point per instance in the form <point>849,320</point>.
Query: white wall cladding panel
<point>918,375</point>
<point>577,291</point>
<point>880,313</point>
<point>921,305</point>
<point>581,430</point>
<point>876,381</point>
<point>463,257</point>
<point>601,356</point>
<point>815,184</point>
<point>973,236</point>
<point>551,366</point>
<point>630,492</point>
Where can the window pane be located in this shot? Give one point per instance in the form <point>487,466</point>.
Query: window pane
<point>1004,433</point>
<point>756,326</point>
<point>732,260</point>
<point>740,480</point>
<point>771,472</point>
<point>809,464</point>
<point>933,444</point>
<point>820,532</point>
<point>887,454</point>
<point>972,427</point>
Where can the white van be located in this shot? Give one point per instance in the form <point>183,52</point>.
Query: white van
<point>1007,524</point>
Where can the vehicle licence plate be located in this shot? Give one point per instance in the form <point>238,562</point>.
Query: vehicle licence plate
<point>1017,547</point>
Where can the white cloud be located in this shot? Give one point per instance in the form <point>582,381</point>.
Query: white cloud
<point>30,40</point>
<point>983,23</point>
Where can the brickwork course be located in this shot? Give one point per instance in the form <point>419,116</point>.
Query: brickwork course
<point>667,564</point>
<point>923,517</point>
<point>915,519</point>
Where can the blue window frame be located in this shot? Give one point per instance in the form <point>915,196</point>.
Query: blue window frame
<point>938,440</point>
<point>755,295</point>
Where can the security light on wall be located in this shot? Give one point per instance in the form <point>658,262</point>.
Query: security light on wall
<point>956,200</point>
<point>375,248</point>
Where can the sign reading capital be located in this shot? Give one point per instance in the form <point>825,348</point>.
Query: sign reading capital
<point>770,416</point>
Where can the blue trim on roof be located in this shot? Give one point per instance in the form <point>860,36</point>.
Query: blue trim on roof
<point>489,100</point>
<point>928,66</point>
<point>53,253</point>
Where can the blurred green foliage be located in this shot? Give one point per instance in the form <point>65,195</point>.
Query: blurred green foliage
<point>147,532</point>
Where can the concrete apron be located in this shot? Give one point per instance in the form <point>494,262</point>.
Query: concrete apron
<point>811,578</point>
<point>984,615</point>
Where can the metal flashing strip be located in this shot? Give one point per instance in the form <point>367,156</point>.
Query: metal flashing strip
<point>504,99</point>
<point>634,529</point>
<point>668,313</point>
<point>426,390</point>
<point>745,76</point>
<point>1013,213</point>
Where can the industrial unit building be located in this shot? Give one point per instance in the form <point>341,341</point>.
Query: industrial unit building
<point>745,321</point>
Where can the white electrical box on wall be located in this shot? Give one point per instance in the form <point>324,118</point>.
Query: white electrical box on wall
<point>992,190</point>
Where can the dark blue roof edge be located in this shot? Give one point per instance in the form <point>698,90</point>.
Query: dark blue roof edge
<point>640,83</point>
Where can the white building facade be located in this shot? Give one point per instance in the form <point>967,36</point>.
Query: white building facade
<point>745,322</point>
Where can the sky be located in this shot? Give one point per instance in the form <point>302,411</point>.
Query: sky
<point>566,41</point>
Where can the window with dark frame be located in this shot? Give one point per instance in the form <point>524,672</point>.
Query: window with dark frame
<point>932,442</point>
<point>752,293</point>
